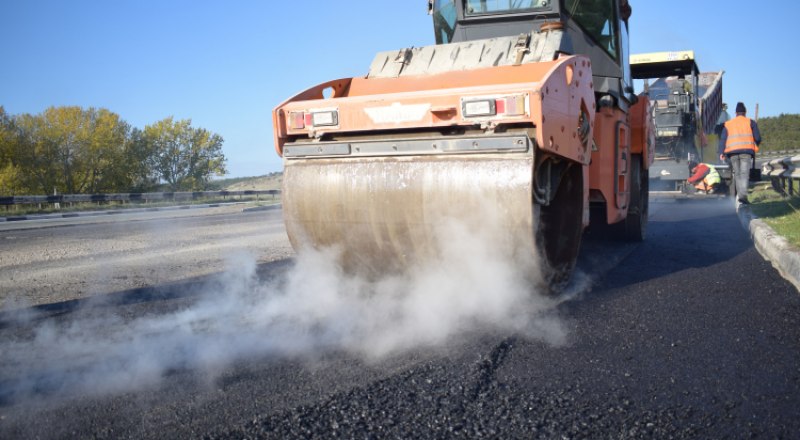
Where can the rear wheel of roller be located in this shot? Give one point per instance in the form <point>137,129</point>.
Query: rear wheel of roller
<point>560,229</point>
<point>634,227</point>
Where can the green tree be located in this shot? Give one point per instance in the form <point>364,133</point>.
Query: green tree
<point>67,131</point>
<point>139,155</point>
<point>76,150</point>
<point>780,133</point>
<point>107,167</point>
<point>205,158</point>
<point>36,155</point>
<point>72,150</point>
<point>10,182</point>
<point>56,148</point>
<point>6,135</point>
<point>184,157</point>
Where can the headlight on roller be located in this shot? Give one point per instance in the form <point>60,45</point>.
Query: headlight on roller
<point>483,107</point>
<point>495,106</point>
<point>324,118</point>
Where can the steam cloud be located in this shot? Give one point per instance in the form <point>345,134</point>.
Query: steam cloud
<point>312,308</point>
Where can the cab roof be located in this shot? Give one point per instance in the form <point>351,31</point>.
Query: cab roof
<point>663,64</point>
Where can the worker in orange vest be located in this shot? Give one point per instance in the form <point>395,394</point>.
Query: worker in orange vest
<point>739,142</point>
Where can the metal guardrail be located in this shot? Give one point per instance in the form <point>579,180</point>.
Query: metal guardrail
<point>776,154</point>
<point>782,173</point>
<point>131,197</point>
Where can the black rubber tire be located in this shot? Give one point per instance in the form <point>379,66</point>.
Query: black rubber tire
<point>634,227</point>
<point>560,230</point>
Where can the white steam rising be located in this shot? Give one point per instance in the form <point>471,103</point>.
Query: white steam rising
<point>312,308</point>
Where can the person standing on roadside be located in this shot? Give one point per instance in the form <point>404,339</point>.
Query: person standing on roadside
<point>739,142</point>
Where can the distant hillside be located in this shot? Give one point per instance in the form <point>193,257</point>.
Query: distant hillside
<point>270,181</point>
<point>780,132</point>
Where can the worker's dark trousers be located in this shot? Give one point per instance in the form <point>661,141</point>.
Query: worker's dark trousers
<point>740,166</point>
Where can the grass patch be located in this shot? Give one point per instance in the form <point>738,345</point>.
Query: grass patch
<point>781,213</point>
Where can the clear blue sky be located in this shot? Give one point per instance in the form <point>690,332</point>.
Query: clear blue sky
<point>226,65</point>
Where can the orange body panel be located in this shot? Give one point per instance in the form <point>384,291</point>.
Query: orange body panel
<point>608,173</point>
<point>642,132</point>
<point>555,92</point>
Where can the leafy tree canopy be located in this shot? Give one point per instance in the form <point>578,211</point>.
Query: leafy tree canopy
<point>184,157</point>
<point>77,150</point>
<point>780,133</point>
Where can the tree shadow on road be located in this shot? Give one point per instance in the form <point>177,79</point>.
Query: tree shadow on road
<point>169,296</point>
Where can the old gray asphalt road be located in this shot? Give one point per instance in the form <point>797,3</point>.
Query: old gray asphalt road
<point>688,335</point>
<point>56,260</point>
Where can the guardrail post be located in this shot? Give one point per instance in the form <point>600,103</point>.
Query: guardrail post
<point>776,185</point>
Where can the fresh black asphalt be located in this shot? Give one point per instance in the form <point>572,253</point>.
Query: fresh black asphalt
<point>690,334</point>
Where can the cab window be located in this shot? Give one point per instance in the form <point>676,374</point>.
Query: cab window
<point>479,7</point>
<point>444,20</point>
<point>624,49</point>
<point>599,19</point>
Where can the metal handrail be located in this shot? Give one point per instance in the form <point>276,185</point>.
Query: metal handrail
<point>782,172</point>
<point>765,154</point>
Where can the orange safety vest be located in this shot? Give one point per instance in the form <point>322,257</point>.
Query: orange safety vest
<point>740,135</point>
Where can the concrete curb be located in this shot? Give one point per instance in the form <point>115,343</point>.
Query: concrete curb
<point>783,255</point>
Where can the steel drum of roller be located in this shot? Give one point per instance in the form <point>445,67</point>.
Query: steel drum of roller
<point>388,214</point>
